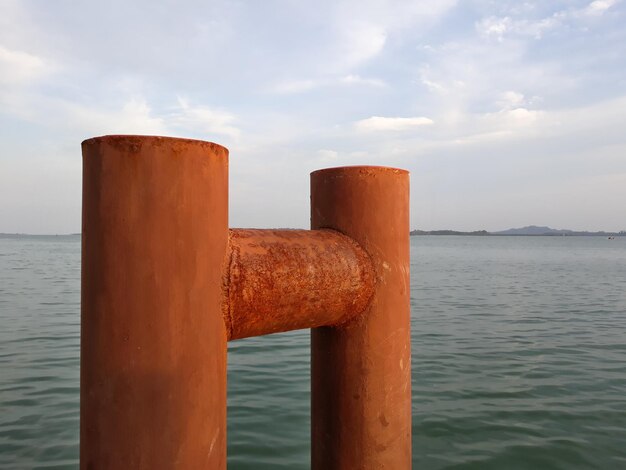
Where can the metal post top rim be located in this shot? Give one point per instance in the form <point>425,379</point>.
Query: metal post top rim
<point>362,170</point>
<point>133,140</point>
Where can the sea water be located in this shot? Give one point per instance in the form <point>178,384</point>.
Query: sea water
<point>518,349</point>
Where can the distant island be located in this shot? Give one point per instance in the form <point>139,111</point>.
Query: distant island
<point>529,231</point>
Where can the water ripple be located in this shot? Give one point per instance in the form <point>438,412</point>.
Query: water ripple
<point>518,350</point>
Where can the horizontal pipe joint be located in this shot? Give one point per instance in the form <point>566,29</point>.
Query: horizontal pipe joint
<point>283,280</point>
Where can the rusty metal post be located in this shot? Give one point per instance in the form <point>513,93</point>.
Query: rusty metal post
<point>153,340</point>
<point>361,381</point>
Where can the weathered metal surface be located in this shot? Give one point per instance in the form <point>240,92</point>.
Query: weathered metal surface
<point>361,380</point>
<point>282,280</point>
<point>153,341</point>
<point>165,285</point>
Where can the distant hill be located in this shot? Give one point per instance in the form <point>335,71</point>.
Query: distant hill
<point>538,230</point>
<point>531,230</point>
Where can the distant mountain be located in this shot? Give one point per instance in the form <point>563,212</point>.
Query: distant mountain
<point>538,230</point>
<point>531,230</point>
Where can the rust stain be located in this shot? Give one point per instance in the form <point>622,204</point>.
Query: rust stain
<point>226,270</point>
<point>282,280</point>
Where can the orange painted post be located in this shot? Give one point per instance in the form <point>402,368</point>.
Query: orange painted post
<point>361,381</point>
<point>153,339</point>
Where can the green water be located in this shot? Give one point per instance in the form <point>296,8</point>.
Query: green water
<point>519,359</point>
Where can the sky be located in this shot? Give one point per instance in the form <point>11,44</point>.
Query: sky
<point>506,113</point>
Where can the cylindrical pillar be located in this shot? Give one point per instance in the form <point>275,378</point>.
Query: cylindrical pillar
<point>361,372</point>
<point>153,340</point>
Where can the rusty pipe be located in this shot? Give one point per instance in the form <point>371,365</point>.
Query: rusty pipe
<point>282,280</point>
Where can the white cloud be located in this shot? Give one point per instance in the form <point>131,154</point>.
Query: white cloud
<point>352,35</point>
<point>433,85</point>
<point>475,77</point>
<point>499,27</point>
<point>134,117</point>
<point>289,87</point>
<point>295,86</point>
<point>359,42</point>
<point>203,119</point>
<point>494,26</point>
<point>393,15</point>
<point>383,124</point>
<point>358,80</point>
<point>522,115</point>
<point>18,67</point>
<point>512,119</point>
<point>443,85</point>
<point>362,28</point>
<point>510,100</point>
<point>325,156</point>
<point>598,7</point>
